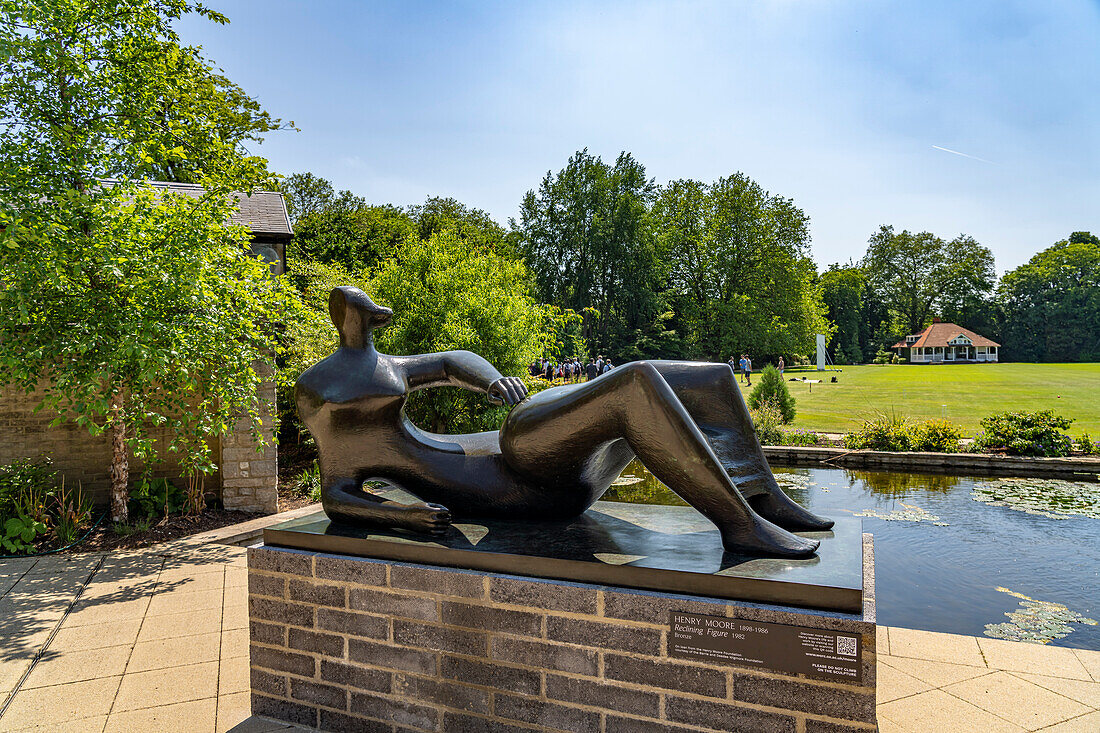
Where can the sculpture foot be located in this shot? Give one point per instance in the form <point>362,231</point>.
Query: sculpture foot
<point>777,507</point>
<point>764,538</point>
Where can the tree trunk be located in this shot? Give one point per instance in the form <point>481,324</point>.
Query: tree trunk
<point>120,464</point>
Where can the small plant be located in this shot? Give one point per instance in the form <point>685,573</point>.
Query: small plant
<point>938,436</point>
<point>766,419</point>
<point>138,526</point>
<point>30,521</point>
<point>72,512</point>
<point>309,482</point>
<point>799,437</point>
<point>23,475</point>
<point>771,389</point>
<point>156,498</point>
<point>1026,434</point>
<point>1085,444</point>
<point>892,432</point>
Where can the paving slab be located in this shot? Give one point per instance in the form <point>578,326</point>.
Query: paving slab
<point>1089,723</point>
<point>166,687</point>
<point>1022,702</point>
<point>51,706</point>
<point>164,653</point>
<point>1015,656</point>
<point>195,715</point>
<point>76,666</point>
<point>934,646</point>
<point>936,710</point>
<point>1087,693</point>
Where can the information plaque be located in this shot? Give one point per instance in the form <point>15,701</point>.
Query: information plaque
<point>820,653</point>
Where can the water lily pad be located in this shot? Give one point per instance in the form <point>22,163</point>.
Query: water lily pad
<point>1036,622</point>
<point>1050,498</point>
<point>908,513</point>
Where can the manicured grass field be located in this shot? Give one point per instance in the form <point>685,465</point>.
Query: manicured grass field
<point>963,393</point>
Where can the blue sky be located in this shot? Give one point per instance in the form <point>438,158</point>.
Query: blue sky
<point>835,105</point>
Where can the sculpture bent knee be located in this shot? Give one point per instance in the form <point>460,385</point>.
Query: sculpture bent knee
<point>557,452</point>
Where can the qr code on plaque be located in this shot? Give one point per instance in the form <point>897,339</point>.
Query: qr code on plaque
<point>846,645</point>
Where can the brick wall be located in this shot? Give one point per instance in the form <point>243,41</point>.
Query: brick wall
<point>84,459</point>
<point>357,644</point>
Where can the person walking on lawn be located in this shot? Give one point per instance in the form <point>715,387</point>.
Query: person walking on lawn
<point>748,370</point>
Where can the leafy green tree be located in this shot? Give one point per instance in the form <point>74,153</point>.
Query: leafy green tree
<point>134,309</point>
<point>449,293</point>
<point>1051,304</point>
<point>772,390</point>
<point>586,237</point>
<point>739,272</point>
<point>356,239</point>
<point>918,275</point>
<point>842,292</point>
<point>438,214</point>
<point>308,194</point>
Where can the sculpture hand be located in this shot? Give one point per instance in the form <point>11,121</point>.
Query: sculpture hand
<point>507,391</point>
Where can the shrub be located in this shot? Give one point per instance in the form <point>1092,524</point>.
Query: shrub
<point>799,437</point>
<point>156,498</point>
<point>771,389</point>
<point>891,432</point>
<point>939,436</point>
<point>766,419</point>
<point>20,476</point>
<point>1025,434</point>
<point>1085,444</point>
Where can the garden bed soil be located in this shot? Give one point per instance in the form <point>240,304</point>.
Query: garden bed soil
<point>104,538</point>
<point>294,458</point>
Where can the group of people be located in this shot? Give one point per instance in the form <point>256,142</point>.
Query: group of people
<point>570,370</point>
<point>743,368</point>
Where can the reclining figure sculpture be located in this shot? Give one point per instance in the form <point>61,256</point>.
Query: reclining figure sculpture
<point>557,452</point>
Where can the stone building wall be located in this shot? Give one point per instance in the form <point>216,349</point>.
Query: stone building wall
<point>243,482</point>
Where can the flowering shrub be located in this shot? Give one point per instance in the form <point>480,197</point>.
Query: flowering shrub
<point>938,436</point>
<point>799,437</point>
<point>766,419</point>
<point>1025,434</point>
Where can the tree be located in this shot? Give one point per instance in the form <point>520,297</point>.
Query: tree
<point>449,293</point>
<point>135,309</point>
<point>772,390</point>
<point>438,214</point>
<point>739,275</point>
<point>842,292</point>
<point>356,239</point>
<point>917,275</point>
<point>308,194</point>
<point>587,239</point>
<point>1051,304</point>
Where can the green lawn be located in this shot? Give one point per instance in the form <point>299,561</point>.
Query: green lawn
<point>963,393</point>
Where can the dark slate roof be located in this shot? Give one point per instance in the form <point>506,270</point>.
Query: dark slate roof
<point>264,212</point>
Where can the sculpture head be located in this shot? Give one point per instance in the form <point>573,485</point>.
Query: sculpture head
<point>356,316</point>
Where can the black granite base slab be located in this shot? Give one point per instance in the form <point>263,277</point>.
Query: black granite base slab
<point>664,548</point>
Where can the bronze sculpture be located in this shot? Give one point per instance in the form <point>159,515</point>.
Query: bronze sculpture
<point>557,452</point>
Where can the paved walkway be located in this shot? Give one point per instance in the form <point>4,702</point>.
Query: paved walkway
<point>157,640</point>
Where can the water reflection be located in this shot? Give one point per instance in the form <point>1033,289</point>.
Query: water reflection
<point>902,485</point>
<point>943,556</point>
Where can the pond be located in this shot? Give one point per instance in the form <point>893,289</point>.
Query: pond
<point>1007,558</point>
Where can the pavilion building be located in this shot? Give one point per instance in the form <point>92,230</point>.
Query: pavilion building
<point>947,343</point>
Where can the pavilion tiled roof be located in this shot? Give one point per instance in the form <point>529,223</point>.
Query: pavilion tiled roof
<point>939,334</point>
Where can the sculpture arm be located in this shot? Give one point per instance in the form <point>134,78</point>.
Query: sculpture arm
<point>462,369</point>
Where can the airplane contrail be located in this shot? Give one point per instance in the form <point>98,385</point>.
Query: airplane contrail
<point>956,152</point>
